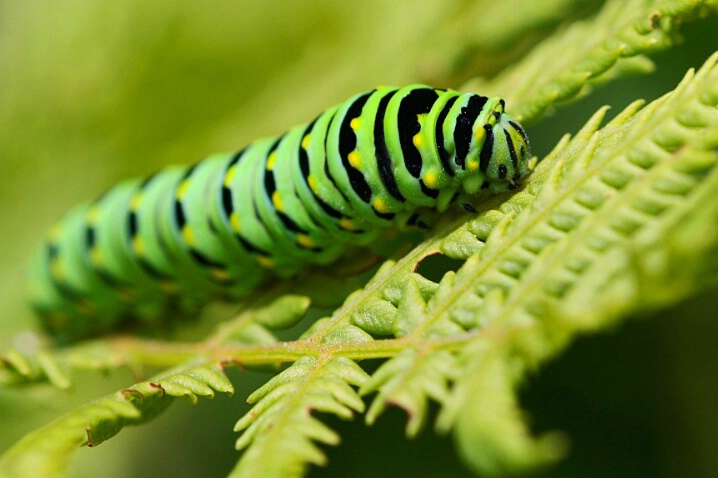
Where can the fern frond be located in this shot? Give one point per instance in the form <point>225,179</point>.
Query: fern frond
<point>633,184</point>
<point>280,431</point>
<point>409,380</point>
<point>45,452</point>
<point>613,41</point>
<point>16,367</point>
<point>255,324</point>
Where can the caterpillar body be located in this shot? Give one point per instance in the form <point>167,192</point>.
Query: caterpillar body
<point>219,228</point>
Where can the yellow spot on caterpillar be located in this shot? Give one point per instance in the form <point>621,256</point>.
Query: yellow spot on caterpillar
<point>188,235</point>
<point>355,123</point>
<point>418,140</point>
<point>305,141</point>
<point>271,160</point>
<point>234,220</point>
<point>355,159</point>
<point>93,216</point>
<point>480,135</point>
<point>277,201</point>
<point>380,205</point>
<point>219,274</point>
<point>138,245</point>
<point>135,202</point>
<point>266,262</point>
<point>347,224</point>
<point>430,180</point>
<point>229,176</point>
<point>312,183</point>
<point>96,256</point>
<point>306,241</point>
<point>472,165</point>
<point>182,189</point>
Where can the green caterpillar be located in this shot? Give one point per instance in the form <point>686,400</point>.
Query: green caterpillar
<point>221,227</point>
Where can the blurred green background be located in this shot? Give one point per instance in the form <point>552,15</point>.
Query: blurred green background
<point>95,91</point>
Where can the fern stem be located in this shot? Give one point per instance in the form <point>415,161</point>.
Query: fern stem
<point>161,353</point>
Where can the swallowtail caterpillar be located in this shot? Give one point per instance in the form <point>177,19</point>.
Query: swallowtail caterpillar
<point>219,228</point>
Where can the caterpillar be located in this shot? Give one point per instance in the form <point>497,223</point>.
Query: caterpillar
<point>219,228</point>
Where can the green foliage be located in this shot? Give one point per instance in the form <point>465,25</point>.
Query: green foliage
<point>45,452</point>
<point>280,431</point>
<point>616,221</point>
<point>610,44</point>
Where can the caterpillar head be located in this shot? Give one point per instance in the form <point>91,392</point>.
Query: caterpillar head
<point>499,155</point>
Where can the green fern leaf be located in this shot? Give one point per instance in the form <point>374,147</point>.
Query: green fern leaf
<point>45,452</point>
<point>603,46</point>
<point>280,431</point>
<point>620,186</point>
